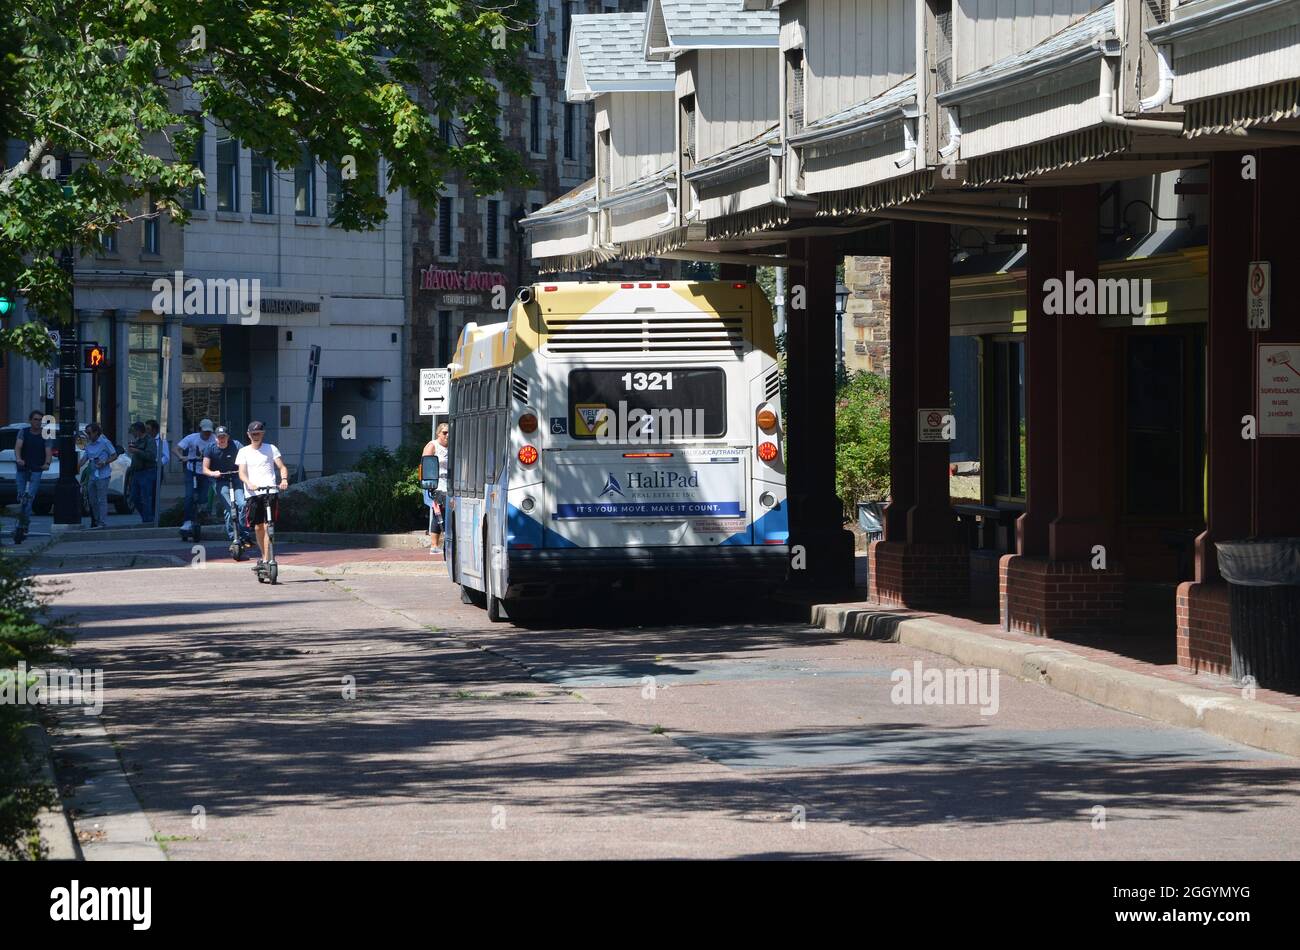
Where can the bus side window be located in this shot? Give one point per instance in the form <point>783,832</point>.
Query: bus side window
<point>490,445</point>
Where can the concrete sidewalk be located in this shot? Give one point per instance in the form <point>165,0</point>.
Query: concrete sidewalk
<point>1256,717</point>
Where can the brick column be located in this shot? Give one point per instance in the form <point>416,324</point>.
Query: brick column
<point>1053,584</point>
<point>1248,490</point>
<point>816,513</point>
<point>920,562</point>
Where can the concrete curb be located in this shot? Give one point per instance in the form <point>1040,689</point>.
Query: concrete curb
<point>53,824</point>
<point>1241,720</point>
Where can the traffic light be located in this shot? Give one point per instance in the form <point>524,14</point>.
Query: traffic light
<point>94,356</point>
<point>6,305</point>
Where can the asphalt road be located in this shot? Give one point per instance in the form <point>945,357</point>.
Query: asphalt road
<point>687,735</point>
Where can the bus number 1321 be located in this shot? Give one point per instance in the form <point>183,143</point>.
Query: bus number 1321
<point>644,381</point>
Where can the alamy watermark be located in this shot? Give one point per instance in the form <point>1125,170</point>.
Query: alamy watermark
<point>23,686</point>
<point>945,687</point>
<point>1088,297</point>
<point>212,296</point>
<point>624,426</point>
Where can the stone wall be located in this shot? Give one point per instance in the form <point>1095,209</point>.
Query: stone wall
<point>866,320</point>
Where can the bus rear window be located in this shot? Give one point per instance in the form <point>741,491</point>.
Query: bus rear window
<point>683,403</point>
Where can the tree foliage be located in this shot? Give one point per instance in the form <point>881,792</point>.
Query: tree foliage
<point>107,85</point>
<point>862,441</point>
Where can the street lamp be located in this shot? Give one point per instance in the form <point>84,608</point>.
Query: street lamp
<point>841,301</point>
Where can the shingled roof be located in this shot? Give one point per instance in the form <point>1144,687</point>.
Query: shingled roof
<point>606,56</point>
<point>706,24</point>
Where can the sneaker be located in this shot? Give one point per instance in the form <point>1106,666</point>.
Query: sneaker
<point>260,565</point>
<point>186,526</point>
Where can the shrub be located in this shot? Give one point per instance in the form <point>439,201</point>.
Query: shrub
<point>30,635</point>
<point>862,441</point>
<point>388,500</point>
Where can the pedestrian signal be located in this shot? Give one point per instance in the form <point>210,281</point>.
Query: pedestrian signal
<point>94,356</point>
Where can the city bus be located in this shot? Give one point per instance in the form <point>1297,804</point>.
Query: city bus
<point>616,435</point>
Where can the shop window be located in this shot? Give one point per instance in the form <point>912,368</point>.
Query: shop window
<point>1009,443</point>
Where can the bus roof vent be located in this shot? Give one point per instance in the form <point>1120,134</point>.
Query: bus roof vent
<point>687,332</point>
<point>519,387</point>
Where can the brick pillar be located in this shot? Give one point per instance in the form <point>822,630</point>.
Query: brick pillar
<point>818,539</point>
<point>1052,584</point>
<point>1249,492</point>
<point>920,561</point>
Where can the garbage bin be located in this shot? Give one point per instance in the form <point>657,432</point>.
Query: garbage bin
<point>1264,577</point>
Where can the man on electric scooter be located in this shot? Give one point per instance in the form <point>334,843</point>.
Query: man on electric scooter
<point>219,464</point>
<point>257,463</point>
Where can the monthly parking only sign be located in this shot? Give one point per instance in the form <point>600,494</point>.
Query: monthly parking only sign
<point>434,386</point>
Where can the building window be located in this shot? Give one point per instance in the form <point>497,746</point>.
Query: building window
<point>602,164</point>
<point>151,240</point>
<point>492,233</point>
<point>227,173</point>
<point>333,190</point>
<point>194,200</point>
<point>304,185</point>
<point>446,236</point>
<point>108,241</point>
<point>263,190</point>
<point>688,132</point>
<point>570,131</point>
<point>535,124</point>
<point>445,338</point>
<point>444,130</point>
<point>535,39</point>
<point>794,90</point>
<point>566,12</point>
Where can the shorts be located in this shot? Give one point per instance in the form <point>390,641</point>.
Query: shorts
<point>255,509</point>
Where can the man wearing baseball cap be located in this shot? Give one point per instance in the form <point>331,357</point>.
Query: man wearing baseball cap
<point>190,451</point>
<point>258,462</point>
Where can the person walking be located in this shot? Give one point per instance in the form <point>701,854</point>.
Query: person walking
<point>32,456</point>
<point>190,451</point>
<point>141,474</point>
<point>99,455</point>
<point>162,448</point>
<point>257,463</point>
<point>437,499</point>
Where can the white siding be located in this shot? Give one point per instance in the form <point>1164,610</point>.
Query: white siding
<point>985,31</point>
<point>736,98</point>
<point>749,192</point>
<point>1011,121</point>
<point>855,50</point>
<point>641,134</point>
<point>1240,63</point>
<point>873,160</point>
<point>641,220</point>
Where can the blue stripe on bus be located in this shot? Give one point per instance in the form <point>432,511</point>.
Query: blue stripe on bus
<point>647,508</point>
<point>772,527</point>
<point>523,531</point>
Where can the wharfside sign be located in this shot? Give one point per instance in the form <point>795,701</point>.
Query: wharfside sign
<point>431,278</point>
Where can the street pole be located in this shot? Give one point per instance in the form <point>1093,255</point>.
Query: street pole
<point>313,367</point>
<point>67,491</point>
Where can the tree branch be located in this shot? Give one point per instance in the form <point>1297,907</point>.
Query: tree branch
<point>34,153</point>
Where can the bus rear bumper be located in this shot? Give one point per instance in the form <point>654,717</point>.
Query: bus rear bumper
<point>742,563</point>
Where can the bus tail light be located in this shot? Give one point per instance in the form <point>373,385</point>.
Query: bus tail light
<point>528,422</point>
<point>527,455</point>
<point>767,451</point>
<point>766,419</point>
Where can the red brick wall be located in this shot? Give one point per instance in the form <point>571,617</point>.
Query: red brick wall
<point>919,575</point>
<point>1042,597</point>
<point>1204,628</point>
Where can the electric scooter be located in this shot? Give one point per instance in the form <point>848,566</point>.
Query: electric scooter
<point>269,572</point>
<point>236,532</point>
<point>195,533</point>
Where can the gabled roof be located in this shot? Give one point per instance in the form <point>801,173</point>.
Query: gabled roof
<point>605,55</point>
<point>675,26</point>
<point>1075,43</point>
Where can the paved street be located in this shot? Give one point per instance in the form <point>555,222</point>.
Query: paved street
<point>688,737</point>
